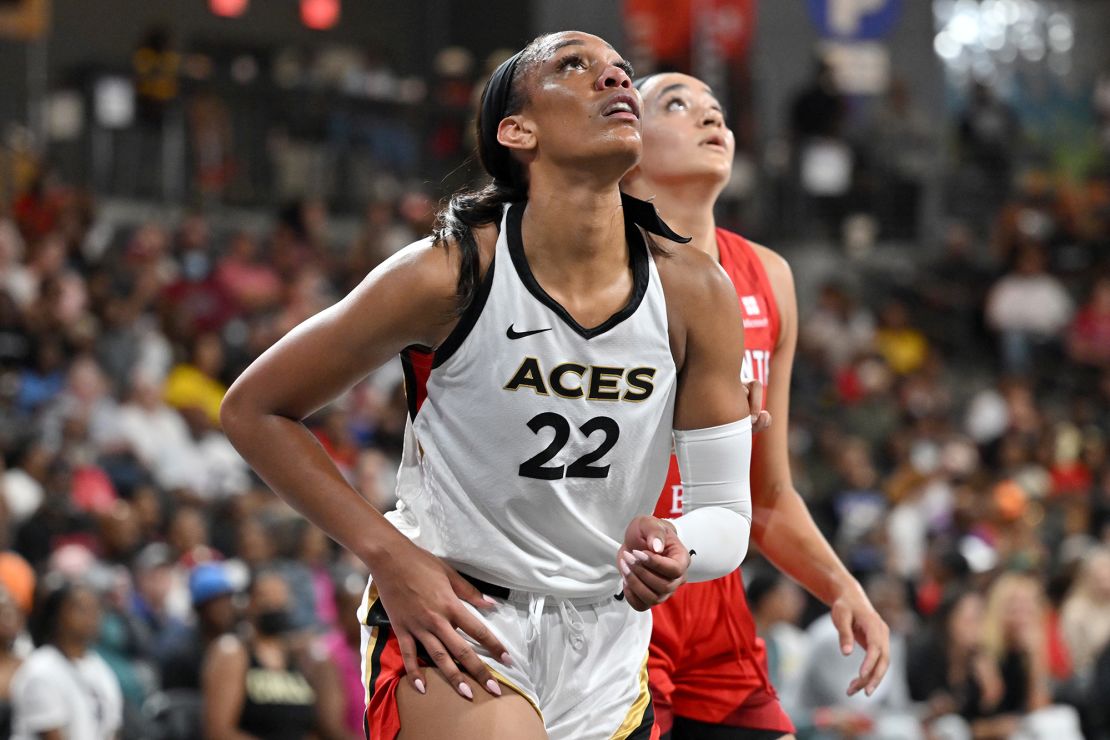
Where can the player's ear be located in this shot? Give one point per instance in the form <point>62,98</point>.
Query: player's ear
<point>516,132</point>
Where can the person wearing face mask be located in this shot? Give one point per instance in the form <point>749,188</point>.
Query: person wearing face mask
<point>264,683</point>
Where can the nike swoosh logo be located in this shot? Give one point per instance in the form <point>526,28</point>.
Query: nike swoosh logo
<point>513,334</point>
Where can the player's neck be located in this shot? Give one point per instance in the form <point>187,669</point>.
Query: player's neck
<point>574,231</point>
<point>688,209</point>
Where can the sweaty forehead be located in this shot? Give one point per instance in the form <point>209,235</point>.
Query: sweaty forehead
<point>562,40</point>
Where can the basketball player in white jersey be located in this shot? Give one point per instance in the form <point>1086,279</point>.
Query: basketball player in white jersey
<point>552,355</point>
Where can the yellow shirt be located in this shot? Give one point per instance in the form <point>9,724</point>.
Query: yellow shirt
<point>188,387</point>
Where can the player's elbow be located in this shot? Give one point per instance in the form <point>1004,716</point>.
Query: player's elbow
<point>237,414</point>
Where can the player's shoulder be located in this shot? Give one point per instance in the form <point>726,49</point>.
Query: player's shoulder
<point>692,278</point>
<point>774,264</point>
<point>439,258</point>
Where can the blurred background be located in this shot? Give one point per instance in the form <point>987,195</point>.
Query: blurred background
<point>183,182</point>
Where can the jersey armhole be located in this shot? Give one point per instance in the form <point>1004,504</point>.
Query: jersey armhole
<point>466,322</point>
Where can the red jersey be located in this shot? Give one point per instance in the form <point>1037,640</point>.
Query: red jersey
<point>761,335</point>
<point>706,662</point>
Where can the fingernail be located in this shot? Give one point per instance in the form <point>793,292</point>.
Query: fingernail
<point>505,659</point>
<point>493,687</point>
<point>464,689</point>
<point>419,686</point>
<point>628,557</point>
<point>625,570</point>
<point>657,545</point>
<point>640,555</point>
<point>489,599</point>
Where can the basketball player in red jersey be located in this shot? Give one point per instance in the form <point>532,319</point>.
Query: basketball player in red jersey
<point>707,666</point>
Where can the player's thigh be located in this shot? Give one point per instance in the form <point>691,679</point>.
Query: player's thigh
<point>442,713</point>
<point>690,729</point>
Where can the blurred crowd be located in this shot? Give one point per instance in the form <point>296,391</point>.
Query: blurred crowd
<point>950,429</point>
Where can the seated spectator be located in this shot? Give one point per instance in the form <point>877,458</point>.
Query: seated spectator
<point>11,624</point>
<point>902,345</point>
<point>211,591</point>
<point>822,705</point>
<point>1089,334</point>
<point>64,689</point>
<point>1029,308</point>
<point>196,384</point>
<point>776,604</point>
<point>343,644</point>
<point>266,684</point>
<point>1085,615</point>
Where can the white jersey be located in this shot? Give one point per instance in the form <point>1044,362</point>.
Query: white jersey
<point>533,442</point>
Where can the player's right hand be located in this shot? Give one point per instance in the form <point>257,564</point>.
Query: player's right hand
<point>423,597</point>
<point>652,562</point>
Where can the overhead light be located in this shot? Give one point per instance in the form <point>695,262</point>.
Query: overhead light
<point>228,8</point>
<point>320,15</point>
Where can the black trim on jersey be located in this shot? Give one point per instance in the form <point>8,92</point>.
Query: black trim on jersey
<point>637,261</point>
<point>410,381</point>
<point>466,322</point>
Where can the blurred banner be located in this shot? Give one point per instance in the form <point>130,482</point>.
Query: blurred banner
<point>662,32</point>
<point>24,19</point>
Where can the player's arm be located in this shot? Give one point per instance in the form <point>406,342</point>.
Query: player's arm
<point>713,437</point>
<point>712,440</point>
<point>409,299</point>
<point>782,526</point>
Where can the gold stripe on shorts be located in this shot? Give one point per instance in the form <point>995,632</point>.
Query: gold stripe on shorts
<point>501,679</point>
<point>635,716</point>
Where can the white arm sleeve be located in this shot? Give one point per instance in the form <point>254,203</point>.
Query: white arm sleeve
<point>716,497</point>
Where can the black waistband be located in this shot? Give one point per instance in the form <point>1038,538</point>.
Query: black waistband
<point>490,589</point>
<point>376,616</point>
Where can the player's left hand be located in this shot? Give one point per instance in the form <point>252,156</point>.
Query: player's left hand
<point>761,417</point>
<point>857,621</point>
<point>652,562</point>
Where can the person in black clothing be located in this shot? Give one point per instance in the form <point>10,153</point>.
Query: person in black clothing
<point>265,683</point>
<point>212,592</point>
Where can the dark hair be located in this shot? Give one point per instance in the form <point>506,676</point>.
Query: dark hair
<point>472,208</point>
<point>50,599</point>
<point>761,587</point>
<point>506,94</point>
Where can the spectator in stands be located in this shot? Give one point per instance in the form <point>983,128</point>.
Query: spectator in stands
<point>64,689</point>
<point>1015,637</point>
<point>988,134</point>
<point>11,625</point>
<point>343,646</point>
<point>947,666</point>
<point>1085,615</point>
<point>821,703</point>
<point>211,591</point>
<point>265,683</point>
<point>776,604</point>
<point>1089,335</point>
<point>196,384</point>
<point>902,345</point>
<point>839,328</point>
<point>1029,308</point>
